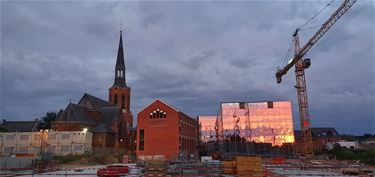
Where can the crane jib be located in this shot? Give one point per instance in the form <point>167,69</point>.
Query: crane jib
<point>319,34</point>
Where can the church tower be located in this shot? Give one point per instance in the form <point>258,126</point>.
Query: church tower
<point>119,93</point>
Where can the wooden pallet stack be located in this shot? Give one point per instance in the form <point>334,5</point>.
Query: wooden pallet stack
<point>156,168</point>
<point>229,167</point>
<point>249,166</point>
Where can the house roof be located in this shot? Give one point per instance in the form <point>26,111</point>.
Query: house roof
<point>324,132</point>
<point>20,126</point>
<point>92,102</point>
<point>319,132</point>
<point>75,113</point>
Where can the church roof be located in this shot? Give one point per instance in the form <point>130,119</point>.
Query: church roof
<point>109,114</point>
<point>75,113</point>
<point>92,102</point>
<point>101,128</point>
<point>20,126</point>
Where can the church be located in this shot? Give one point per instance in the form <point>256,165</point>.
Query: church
<point>111,122</point>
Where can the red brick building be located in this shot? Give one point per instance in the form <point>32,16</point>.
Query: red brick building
<point>110,121</point>
<point>165,132</point>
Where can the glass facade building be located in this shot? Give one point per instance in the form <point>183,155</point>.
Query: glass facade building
<point>207,125</point>
<point>260,122</point>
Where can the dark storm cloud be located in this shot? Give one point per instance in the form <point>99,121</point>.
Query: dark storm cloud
<point>193,55</point>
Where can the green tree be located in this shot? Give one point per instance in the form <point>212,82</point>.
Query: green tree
<point>46,120</point>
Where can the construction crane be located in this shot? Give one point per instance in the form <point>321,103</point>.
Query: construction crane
<point>300,66</point>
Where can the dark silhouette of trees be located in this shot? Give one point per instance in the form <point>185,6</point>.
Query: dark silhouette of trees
<point>47,120</point>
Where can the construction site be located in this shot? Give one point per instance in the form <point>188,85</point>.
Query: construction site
<point>246,138</point>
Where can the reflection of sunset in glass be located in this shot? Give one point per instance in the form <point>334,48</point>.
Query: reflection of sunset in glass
<point>207,128</point>
<point>262,122</point>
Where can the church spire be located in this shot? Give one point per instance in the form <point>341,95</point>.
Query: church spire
<point>120,79</point>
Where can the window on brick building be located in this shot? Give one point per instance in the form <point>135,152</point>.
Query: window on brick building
<point>180,143</point>
<point>158,114</point>
<point>120,132</point>
<point>115,99</point>
<point>141,139</point>
<point>123,101</point>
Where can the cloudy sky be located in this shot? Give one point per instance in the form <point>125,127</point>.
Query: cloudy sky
<point>193,55</point>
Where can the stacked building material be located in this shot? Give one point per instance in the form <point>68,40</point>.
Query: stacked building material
<point>249,166</point>
<point>156,168</point>
<point>229,167</point>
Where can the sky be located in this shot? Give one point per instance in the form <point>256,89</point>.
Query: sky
<point>192,54</point>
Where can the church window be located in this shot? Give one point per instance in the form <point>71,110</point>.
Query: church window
<point>110,98</point>
<point>120,131</point>
<point>115,99</point>
<point>123,101</point>
<point>158,114</point>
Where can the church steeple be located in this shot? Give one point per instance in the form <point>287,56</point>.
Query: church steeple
<point>120,79</point>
